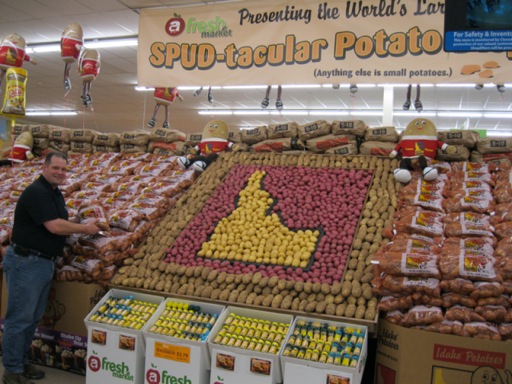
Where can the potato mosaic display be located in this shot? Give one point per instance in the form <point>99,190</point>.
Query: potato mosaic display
<point>309,193</point>
<point>303,218</point>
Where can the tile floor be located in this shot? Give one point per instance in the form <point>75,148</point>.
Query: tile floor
<point>55,376</point>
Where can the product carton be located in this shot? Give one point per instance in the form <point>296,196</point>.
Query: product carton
<point>312,372</point>
<point>171,357</point>
<point>68,304</point>
<point>116,354</point>
<point>230,365</point>
<point>406,355</point>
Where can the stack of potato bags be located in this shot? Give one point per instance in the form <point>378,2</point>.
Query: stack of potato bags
<point>448,266</point>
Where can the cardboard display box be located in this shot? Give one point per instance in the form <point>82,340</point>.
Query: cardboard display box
<point>313,372</point>
<point>68,304</point>
<point>230,365</point>
<point>406,355</point>
<point>171,358</point>
<point>57,349</point>
<point>116,354</point>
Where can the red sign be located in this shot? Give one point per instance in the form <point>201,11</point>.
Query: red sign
<point>467,356</point>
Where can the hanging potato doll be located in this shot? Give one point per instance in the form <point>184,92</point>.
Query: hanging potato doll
<point>164,96</point>
<point>266,100</point>
<point>12,53</point>
<point>71,43</point>
<point>89,66</point>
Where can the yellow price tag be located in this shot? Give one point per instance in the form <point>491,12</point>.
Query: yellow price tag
<point>172,352</point>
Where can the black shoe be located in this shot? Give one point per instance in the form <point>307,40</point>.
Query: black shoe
<point>265,102</point>
<point>151,123</point>
<point>165,125</point>
<point>33,373</point>
<point>407,105</point>
<point>15,378</point>
<point>279,104</point>
<point>67,85</point>
<point>418,105</point>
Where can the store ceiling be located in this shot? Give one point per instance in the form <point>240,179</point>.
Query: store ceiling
<point>118,107</point>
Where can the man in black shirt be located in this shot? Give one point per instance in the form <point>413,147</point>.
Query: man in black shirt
<point>38,237</point>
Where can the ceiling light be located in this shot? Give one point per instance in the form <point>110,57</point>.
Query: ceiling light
<point>455,85</point>
<point>290,112</point>
<point>250,112</point>
<point>129,41</point>
<point>497,115</point>
<point>328,113</point>
<point>143,89</point>
<point>215,112</point>
<point>498,134</point>
<point>301,86</point>
<point>245,87</point>
<point>366,113</point>
<point>43,112</point>
<point>459,114</point>
<point>112,43</point>
<point>414,113</point>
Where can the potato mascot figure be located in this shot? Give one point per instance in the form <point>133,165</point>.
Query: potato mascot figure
<point>214,141</point>
<point>165,97</point>
<point>419,142</point>
<point>71,43</point>
<point>89,66</point>
<point>12,53</point>
<point>22,149</point>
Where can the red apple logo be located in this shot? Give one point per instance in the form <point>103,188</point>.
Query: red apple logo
<point>175,26</point>
<point>152,375</point>
<point>94,363</point>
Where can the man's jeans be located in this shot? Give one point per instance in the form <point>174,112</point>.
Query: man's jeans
<point>28,280</point>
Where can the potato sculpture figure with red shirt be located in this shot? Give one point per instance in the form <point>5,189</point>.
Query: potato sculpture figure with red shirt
<point>164,96</point>
<point>89,66</point>
<point>12,53</point>
<point>71,43</point>
<point>419,142</point>
<point>214,141</point>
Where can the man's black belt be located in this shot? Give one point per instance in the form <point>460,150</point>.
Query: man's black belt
<point>24,251</point>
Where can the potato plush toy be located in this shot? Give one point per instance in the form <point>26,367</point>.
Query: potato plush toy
<point>21,150</point>
<point>419,142</point>
<point>214,141</point>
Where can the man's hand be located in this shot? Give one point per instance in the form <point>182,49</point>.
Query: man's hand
<point>90,228</point>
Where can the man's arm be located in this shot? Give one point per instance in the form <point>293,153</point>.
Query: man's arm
<point>65,228</point>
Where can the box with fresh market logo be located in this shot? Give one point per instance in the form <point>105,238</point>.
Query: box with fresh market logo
<point>176,342</point>
<point>245,345</point>
<point>407,355</point>
<point>116,349</point>
<point>324,352</point>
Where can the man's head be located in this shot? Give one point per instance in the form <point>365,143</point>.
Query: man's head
<point>54,168</point>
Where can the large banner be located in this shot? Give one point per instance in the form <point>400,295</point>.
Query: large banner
<point>306,42</point>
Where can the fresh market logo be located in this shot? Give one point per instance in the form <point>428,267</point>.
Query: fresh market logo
<point>153,377</point>
<point>216,27</point>
<point>118,370</point>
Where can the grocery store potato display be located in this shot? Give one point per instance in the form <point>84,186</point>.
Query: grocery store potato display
<point>294,233</point>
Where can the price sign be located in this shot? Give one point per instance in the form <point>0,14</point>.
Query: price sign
<point>172,352</point>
